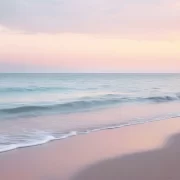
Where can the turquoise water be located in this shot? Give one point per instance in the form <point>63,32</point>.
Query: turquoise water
<point>28,102</point>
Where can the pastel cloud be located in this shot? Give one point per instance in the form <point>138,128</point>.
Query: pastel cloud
<point>96,16</point>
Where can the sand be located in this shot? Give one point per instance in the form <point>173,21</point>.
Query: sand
<point>146,151</point>
<point>157,164</point>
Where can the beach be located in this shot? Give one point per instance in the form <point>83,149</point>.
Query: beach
<point>145,151</point>
<point>89,90</point>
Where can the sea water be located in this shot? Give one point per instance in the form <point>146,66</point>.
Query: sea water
<point>38,108</point>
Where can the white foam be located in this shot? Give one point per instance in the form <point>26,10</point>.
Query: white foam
<point>40,137</point>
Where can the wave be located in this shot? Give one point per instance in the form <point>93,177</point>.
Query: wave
<point>33,89</point>
<point>81,105</point>
<point>64,107</point>
<point>28,139</point>
<point>38,138</point>
<point>163,98</point>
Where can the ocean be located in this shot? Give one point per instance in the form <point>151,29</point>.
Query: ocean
<point>39,108</point>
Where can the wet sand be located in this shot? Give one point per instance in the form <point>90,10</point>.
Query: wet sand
<point>146,151</point>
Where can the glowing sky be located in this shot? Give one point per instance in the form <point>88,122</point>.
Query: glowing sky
<point>90,36</point>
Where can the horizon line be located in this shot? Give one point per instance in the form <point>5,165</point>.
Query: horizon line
<point>89,72</point>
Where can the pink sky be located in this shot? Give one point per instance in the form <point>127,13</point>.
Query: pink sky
<point>130,38</point>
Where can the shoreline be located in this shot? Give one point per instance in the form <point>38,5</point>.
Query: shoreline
<point>71,134</point>
<point>65,159</point>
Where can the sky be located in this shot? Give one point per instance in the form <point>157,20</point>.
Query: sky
<point>90,36</point>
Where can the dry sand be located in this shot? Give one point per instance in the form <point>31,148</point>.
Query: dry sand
<point>158,164</point>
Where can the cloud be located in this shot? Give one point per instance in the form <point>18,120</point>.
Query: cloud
<point>95,16</point>
<point>4,31</point>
